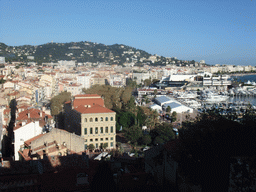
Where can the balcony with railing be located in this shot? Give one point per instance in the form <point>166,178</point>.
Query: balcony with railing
<point>226,82</point>
<point>216,83</point>
<point>207,82</point>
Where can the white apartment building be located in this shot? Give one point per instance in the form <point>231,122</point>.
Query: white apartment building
<point>140,77</point>
<point>84,80</point>
<point>23,133</point>
<point>218,82</point>
<point>74,88</point>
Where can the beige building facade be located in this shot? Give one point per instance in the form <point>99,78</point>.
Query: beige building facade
<point>87,116</point>
<point>99,128</point>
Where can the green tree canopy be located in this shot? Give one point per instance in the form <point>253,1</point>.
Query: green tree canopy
<point>146,139</point>
<point>163,132</point>
<point>147,82</point>
<point>2,81</point>
<point>210,141</point>
<point>168,109</point>
<point>91,147</point>
<point>174,116</point>
<point>133,133</point>
<point>126,119</point>
<point>113,97</point>
<point>58,101</point>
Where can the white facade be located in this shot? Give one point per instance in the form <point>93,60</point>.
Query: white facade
<point>48,91</point>
<point>182,77</point>
<point>84,80</point>
<point>2,60</point>
<point>140,77</point>
<point>65,63</point>
<point>8,84</point>
<point>74,89</point>
<point>156,107</point>
<point>25,133</point>
<point>178,108</point>
<point>168,72</point>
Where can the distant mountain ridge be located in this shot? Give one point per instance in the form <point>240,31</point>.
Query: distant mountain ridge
<point>82,52</point>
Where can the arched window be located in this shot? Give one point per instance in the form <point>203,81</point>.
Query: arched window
<point>101,119</point>
<point>96,130</point>
<point>111,129</point>
<point>106,119</point>
<point>85,119</point>
<point>101,130</point>
<point>85,131</point>
<point>91,130</point>
<point>111,118</point>
<point>91,120</point>
<point>96,119</point>
<point>106,129</point>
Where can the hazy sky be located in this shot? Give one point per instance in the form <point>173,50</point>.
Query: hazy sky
<point>218,31</point>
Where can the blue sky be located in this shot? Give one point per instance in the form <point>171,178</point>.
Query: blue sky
<point>218,31</point>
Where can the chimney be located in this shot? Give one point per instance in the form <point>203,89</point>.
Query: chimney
<point>41,114</point>
<point>28,114</point>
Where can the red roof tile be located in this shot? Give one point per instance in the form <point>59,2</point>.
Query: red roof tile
<point>87,95</point>
<point>28,142</point>
<point>34,114</point>
<point>79,102</point>
<point>93,109</point>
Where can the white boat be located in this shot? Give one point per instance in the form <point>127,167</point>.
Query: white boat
<point>213,97</point>
<point>188,95</point>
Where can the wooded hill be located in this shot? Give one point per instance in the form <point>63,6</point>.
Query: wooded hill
<point>81,52</point>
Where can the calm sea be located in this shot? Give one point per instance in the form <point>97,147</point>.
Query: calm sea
<point>250,99</point>
<point>245,78</point>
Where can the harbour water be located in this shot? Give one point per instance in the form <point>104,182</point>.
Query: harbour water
<point>245,99</point>
<point>245,78</point>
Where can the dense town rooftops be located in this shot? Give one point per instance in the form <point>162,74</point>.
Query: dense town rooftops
<point>28,142</point>
<point>32,114</point>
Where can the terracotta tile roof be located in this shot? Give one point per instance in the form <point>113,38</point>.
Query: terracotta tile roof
<point>93,109</point>
<point>74,85</point>
<point>83,102</point>
<point>14,93</point>
<point>26,154</point>
<point>34,114</point>
<point>28,142</point>
<point>7,111</point>
<point>87,95</point>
